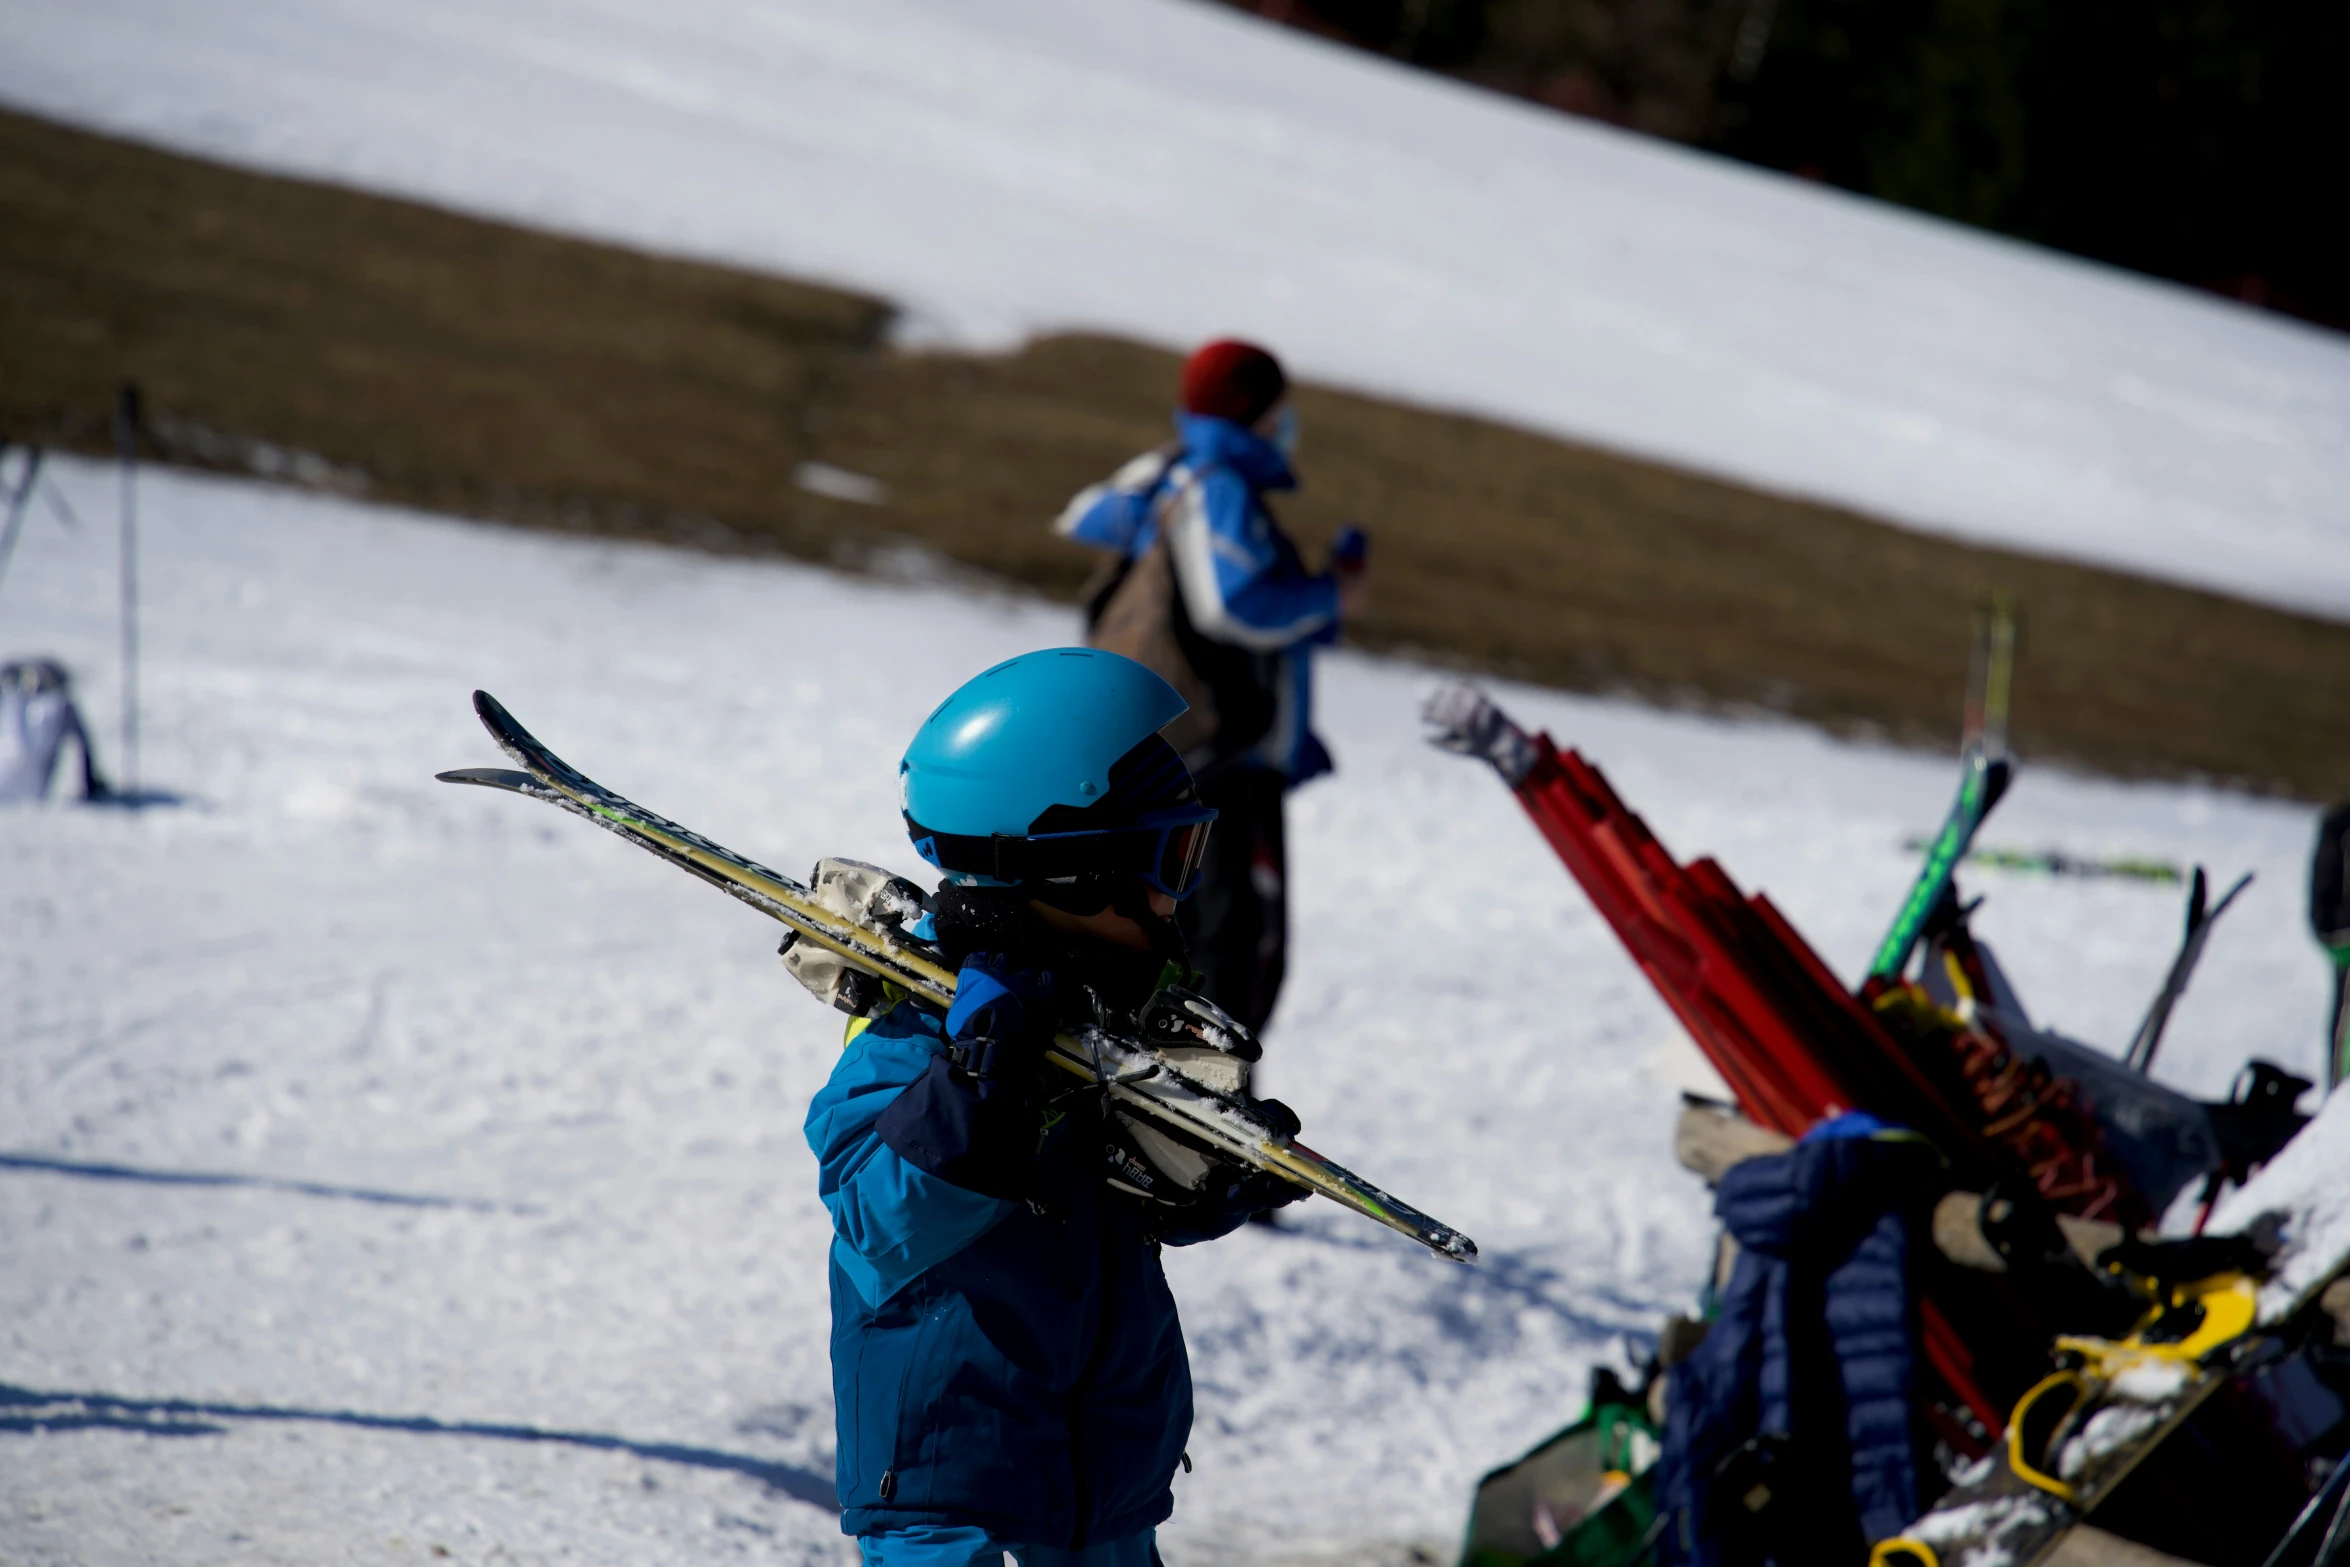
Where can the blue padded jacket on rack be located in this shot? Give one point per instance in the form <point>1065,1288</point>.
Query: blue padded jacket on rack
<point>1811,1356</point>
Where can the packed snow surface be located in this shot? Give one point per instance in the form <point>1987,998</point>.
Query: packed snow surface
<point>390,1169</point>
<point>1174,170</point>
<point>2309,1186</point>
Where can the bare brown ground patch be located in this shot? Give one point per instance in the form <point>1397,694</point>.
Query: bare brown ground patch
<point>497,372</point>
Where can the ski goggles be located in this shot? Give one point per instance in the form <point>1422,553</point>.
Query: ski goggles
<point>1165,849</point>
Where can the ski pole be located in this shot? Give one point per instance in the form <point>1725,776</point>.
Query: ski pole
<point>126,445</point>
<point>18,504</point>
<point>2200,918</point>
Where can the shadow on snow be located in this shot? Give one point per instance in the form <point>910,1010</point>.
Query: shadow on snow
<point>137,800</point>
<point>1591,1309</point>
<point>47,1165</point>
<point>25,1409</point>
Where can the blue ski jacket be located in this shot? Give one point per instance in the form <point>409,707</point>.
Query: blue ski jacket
<point>1814,1342</point>
<point>1242,580</point>
<point>1016,1365</point>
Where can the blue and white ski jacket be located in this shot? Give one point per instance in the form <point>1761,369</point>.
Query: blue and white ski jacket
<point>1242,580</point>
<point>1015,1365</point>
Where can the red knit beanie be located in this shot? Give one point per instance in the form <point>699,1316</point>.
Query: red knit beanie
<point>1232,380</point>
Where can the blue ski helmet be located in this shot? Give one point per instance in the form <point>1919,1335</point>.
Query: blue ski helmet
<point>1050,768</point>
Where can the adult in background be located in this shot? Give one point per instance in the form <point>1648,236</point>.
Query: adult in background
<point>2329,921</point>
<point>1205,588</point>
<point>37,718</point>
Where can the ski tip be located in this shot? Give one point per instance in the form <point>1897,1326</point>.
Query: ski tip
<point>487,777</point>
<point>488,708</point>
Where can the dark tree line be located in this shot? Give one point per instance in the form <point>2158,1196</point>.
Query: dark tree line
<point>2206,141</point>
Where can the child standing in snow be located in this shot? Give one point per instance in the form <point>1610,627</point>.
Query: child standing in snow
<point>1008,1369</point>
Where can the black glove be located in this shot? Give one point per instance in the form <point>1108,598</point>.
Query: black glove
<point>1261,1191</point>
<point>1233,1197</point>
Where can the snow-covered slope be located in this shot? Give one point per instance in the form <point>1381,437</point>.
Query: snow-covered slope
<point>386,1166</point>
<point>1173,170</point>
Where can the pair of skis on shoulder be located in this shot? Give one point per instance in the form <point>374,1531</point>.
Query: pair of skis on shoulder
<point>1144,1084</point>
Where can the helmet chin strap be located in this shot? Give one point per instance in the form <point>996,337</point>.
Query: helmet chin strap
<point>1001,920</point>
<point>1131,898</point>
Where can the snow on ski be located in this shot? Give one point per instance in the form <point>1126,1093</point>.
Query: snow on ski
<point>1132,1073</point>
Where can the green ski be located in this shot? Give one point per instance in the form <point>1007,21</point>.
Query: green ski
<point>1984,771</point>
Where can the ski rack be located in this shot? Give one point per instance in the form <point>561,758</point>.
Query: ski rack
<point>1794,1046</point>
<point>1791,1042</point>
